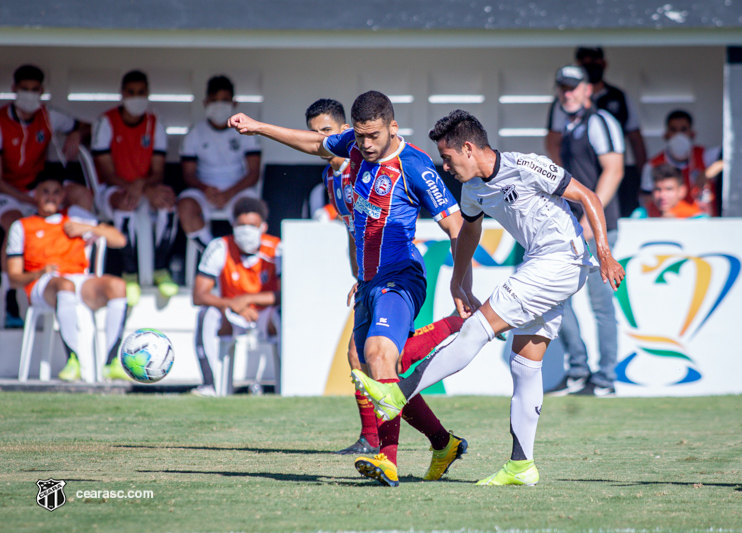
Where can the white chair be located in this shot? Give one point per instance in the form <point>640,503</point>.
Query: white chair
<point>90,355</point>
<point>249,342</point>
<point>141,219</point>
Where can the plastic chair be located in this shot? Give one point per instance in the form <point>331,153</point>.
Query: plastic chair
<point>90,354</point>
<point>224,366</point>
<point>141,220</point>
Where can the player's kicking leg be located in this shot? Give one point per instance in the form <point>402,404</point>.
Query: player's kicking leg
<point>416,348</point>
<point>381,349</point>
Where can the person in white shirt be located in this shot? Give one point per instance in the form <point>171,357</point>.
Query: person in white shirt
<point>220,166</point>
<point>527,194</point>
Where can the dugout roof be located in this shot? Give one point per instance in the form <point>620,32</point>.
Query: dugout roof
<point>372,15</point>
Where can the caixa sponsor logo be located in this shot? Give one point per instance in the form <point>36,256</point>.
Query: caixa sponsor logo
<point>434,191</point>
<point>364,206</point>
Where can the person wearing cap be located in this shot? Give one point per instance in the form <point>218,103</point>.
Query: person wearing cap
<point>592,151</point>
<point>618,104</point>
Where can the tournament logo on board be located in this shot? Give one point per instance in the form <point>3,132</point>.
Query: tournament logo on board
<point>51,496</point>
<point>667,298</point>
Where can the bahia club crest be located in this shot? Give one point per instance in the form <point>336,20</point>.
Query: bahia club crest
<point>667,298</point>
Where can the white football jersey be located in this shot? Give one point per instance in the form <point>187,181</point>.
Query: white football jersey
<point>524,195</point>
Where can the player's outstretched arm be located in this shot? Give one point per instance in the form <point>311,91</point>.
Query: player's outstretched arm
<point>611,271</point>
<point>461,281</point>
<point>307,141</point>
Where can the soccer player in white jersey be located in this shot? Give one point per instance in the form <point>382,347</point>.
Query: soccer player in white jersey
<point>220,166</point>
<point>527,194</point>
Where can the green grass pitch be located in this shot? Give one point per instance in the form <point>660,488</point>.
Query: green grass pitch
<point>261,464</point>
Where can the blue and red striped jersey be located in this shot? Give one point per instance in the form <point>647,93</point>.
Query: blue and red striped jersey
<point>387,197</point>
<point>340,191</point>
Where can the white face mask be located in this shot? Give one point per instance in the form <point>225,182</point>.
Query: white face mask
<point>136,105</point>
<point>219,112</point>
<point>247,238</point>
<point>679,146</point>
<point>28,101</point>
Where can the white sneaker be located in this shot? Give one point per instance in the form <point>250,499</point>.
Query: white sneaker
<point>206,391</point>
<point>567,386</point>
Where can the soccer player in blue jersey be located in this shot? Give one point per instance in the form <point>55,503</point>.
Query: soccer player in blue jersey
<point>327,116</point>
<point>392,180</point>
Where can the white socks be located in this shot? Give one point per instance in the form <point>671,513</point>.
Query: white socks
<point>67,318</point>
<point>115,320</point>
<point>474,334</point>
<point>525,406</point>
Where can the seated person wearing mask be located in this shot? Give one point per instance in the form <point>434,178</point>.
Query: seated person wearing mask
<point>681,152</point>
<point>245,268</point>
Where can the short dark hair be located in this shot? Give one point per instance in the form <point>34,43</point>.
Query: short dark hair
<point>679,114</point>
<point>372,105</point>
<point>458,127</point>
<point>666,171</point>
<point>28,72</point>
<point>134,76</point>
<point>47,174</point>
<point>326,106</point>
<point>247,205</point>
<point>591,52</point>
<point>219,83</point>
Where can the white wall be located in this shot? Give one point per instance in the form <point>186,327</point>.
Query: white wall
<point>290,79</point>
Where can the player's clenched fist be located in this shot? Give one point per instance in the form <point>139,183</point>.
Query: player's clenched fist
<point>243,124</point>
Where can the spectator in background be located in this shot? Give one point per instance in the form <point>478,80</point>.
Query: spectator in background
<point>592,151</point>
<point>220,166</point>
<point>669,196</point>
<point>26,128</point>
<point>245,268</point>
<point>618,104</point>
<point>681,152</point>
<point>129,146</point>
<point>46,256</point>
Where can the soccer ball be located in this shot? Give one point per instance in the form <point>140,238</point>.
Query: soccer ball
<point>147,355</point>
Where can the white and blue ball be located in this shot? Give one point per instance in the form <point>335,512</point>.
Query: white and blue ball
<point>147,355</point>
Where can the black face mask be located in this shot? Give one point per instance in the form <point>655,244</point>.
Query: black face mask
<point>594,72</point>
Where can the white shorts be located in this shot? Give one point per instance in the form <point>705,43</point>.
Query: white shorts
<point>532,299</point>
<point>208,209</point>
<point>37,293</point>
<point>9,203</point>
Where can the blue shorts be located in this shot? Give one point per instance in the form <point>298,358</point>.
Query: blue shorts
<point>387,305</point>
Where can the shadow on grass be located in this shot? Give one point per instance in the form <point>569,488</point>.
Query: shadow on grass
<point>302,478</point>
<point>736,486</point>
<point>227,449</point>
